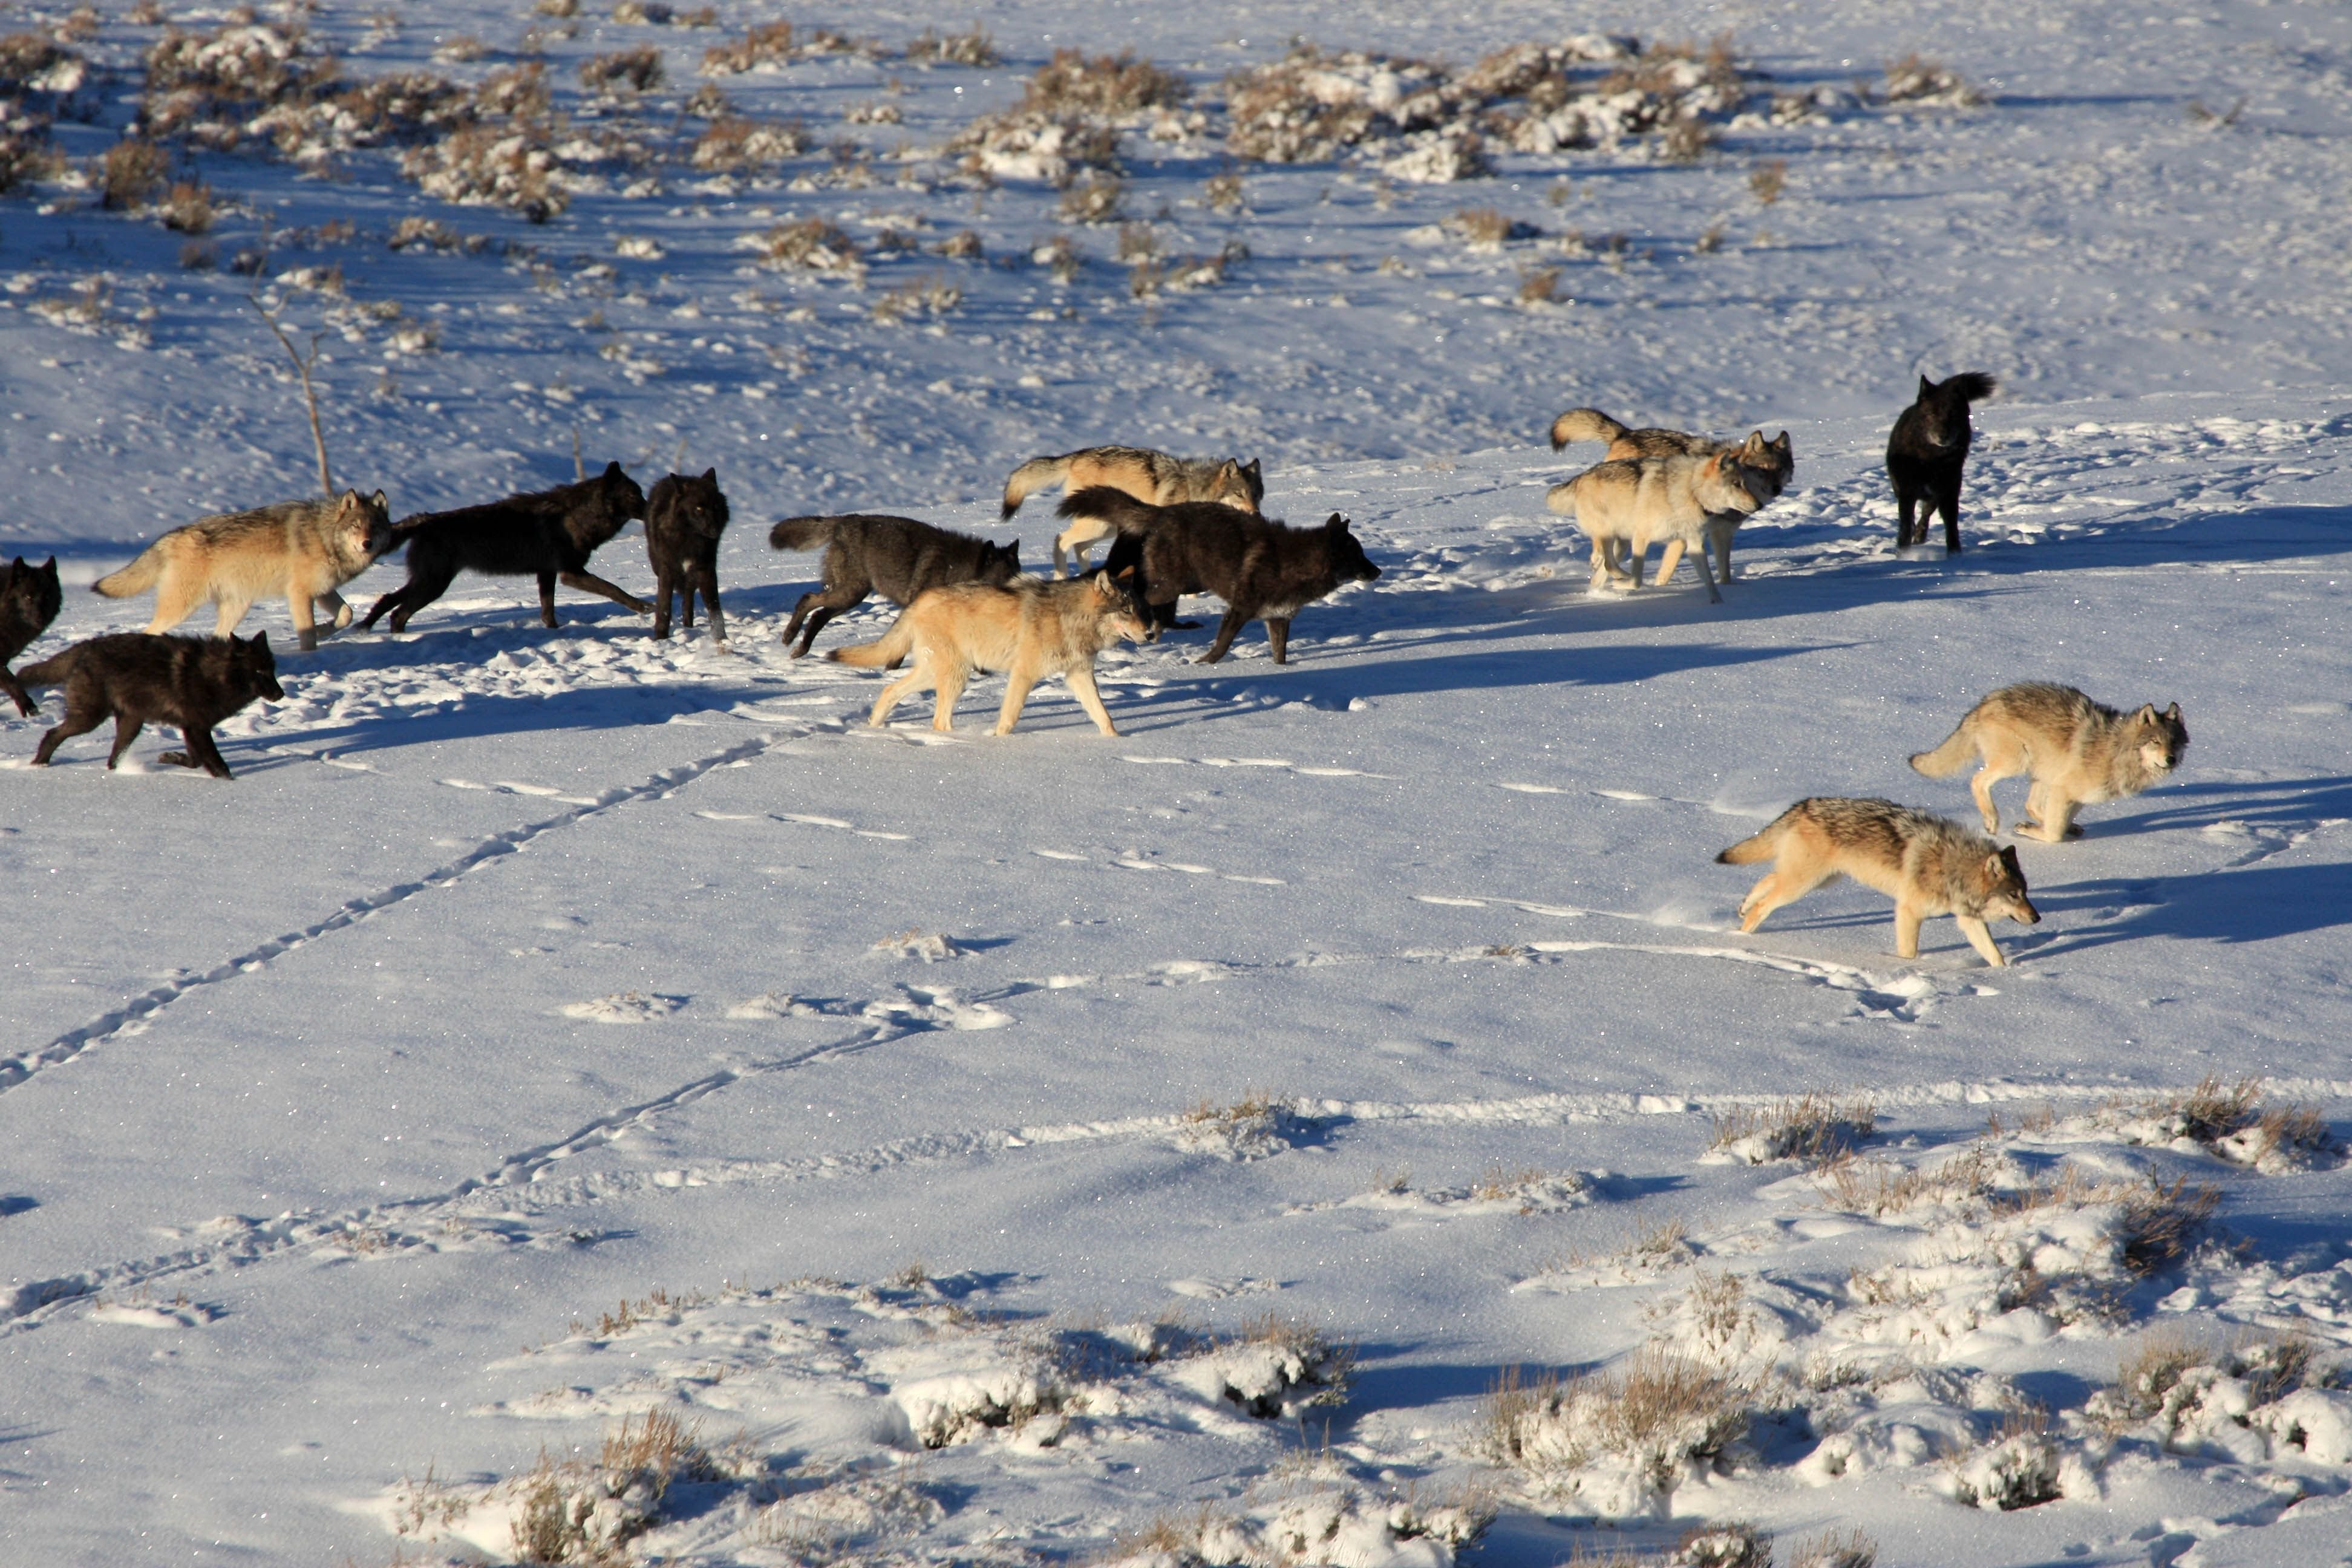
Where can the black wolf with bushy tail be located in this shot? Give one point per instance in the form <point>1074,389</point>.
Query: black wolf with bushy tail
<point>896,557</point>
<point>1262,570</point>
<point>547,534</point>
<point>29,597</point>
<point>684,517</point>
<point>1925,452</point>
<point>138,677</point>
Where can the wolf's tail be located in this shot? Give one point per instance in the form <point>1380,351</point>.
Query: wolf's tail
<point>1583,425</point>
<point>1748,851</point>
<point>801,533</point>
<point>1107,504</point>
<point>895,644</point>
<point>1969,385</point>
<point>1958,751</point>
<point>136,578</point>
<point>50,671</point>
<point>1033,476</point>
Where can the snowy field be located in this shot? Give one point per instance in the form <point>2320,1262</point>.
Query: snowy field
<point>588,1097</point>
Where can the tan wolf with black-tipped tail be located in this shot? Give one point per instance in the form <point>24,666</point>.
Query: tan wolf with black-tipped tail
<point>1626,505</point>
<point>1775,459</point>
<point>303,548</point>
<point>1154,477</point>
<point>1927,864</point>
<point>1029,629</point>
<point>2077,752</point>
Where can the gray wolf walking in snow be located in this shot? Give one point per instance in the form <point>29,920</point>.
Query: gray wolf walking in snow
<point>1626,505</point>
<point>303,548</point>
<point>2076,752</point>
<point>1775,459</point>
<point>1147,476</point>
<point>895,556</point>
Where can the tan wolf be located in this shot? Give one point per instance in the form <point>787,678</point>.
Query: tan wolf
<point>1776,459</point>
<point>303,548</point>
<point>1153,478</point>
<point>2077,752</point>
<point>1030,629</point>
<point>1927,864</point>
<point>1630,504</point>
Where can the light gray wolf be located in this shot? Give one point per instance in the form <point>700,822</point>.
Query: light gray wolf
<point>1262,569</point>
<point>1630,504</point>
<point>1928,864</point>
<point>2077,752</point>
<point>29,601</point>
<point>135,677</point>
<point>685,516</point>
<point>547,534</point>
<point>1775,459</point>
<point>1147,476</point>
<point>1029,628</point>
<point>1925,451</point>
<point>303,548</point>
<point>895,556</point>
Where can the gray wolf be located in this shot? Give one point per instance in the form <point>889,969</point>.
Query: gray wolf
<point>684,517</point>
<point>29,601</point>
<point>547,534</point>
<point>895,556</point>
<point>1925,451</point>
<point>1147,476</point>
<point>303,548</point>
<point>1029,629</point>
<point>1926,864</point>
<point>137,677</point>
<point>1630,503</point>
<point>1261,569</point>
<point>1775,460</point>
<point>2077,752</point>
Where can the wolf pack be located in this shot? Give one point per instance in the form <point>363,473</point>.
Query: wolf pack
<point>1170,526</point>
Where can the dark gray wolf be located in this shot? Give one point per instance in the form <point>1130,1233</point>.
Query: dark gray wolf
<point>1147,474</point>
<point>896,557</point>
<point>1925,451</point>
<point>1927,864</point>
<point>549,534</point>
<point>684,517</point>
<point>1774,460</point>
<point>2077,752</point>
<point>136,678</point>
<point>1261,569</point>
<point>29,598</point>
<point>303,548</point>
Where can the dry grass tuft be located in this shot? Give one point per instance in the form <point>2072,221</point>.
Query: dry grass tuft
<point>932,296</point>
<point>1225,192</point>
<point>1093,197</point>
<point>1106,87</point>
<point>131,172</point>
<point>1660,1413</point>
<point>1835,1549</point>
<point>764,44</point>
<point>188,207</point>
<point>1539,286</point>
<point>1812,1129</point>
<point>964,245</point>
<point>1920,80</point>
<point>631,70</point>
<point>975,48</point>
<point>1768,178</point>
<point>812,243</point>
<point>1734,1544</point>
<point>732,144</point>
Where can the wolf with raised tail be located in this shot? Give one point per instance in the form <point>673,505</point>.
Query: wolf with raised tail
<point>303,548</point>
<point>897,557</point>
<point>1927,864</point>
<point>1029,629</point>
<point>1775,460</point>
<point>136,679</point>
<point>1147,476</point>
<point>1925,452</point>
<point>2076,752</point>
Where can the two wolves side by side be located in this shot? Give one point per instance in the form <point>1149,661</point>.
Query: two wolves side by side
<point>29,600</point>
<point>1925,452</point>
<point>1154,477</point>
<point>1926,864</point>
<point>895,556</point>
<point>303,548</point>
<point>1262,570</point>
<point>1774,462</point>
<point>1628,504</point>
<point>685,516</point>
<point>136,679</point>
<point>547,534</point>
<point>1029,630</point>
<point>2077,752</point>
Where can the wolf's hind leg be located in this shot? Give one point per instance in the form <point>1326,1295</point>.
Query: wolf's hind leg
<point>1017,688</point>
<point>946,685</point>
<point>78,721</point>
<point>894,692</point>
<point>1670,558</point>
<point>1981,785</point>
<point>1762,899</point>
<point>589,583</point>
<point>126,729</point>
<point>1906,928</point>
<point>1980,937</point>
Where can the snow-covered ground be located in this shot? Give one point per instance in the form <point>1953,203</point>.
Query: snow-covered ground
<point>574,1089</point>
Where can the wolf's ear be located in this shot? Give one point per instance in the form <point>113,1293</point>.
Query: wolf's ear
<point>1925,386</point>
<point>1754,446</point>
<point>378,502</point>
<point>1124,575</point>
<point>613,470</point>
<point>1780,443</point>
<point>2147,714</point>
<point>1013,553</point>
<point>2171,714</point>
<point>710,476</point>
<point>1252,472</point>
<point>261,641</point>
<point>2008,858</point>
<point>1335,524</point>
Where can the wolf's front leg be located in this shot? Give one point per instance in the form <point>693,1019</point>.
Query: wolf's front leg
<point>1906,929</point>
<point>1227,629</point>
<point>1017,687</point>
<point>1082,686</point>
<point>306,625</point>
<point>1980,937</point>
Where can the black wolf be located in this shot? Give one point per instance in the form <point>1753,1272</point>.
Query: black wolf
<point>684,517</point>
<point>896,557</point>
<point>545,533</point>
<point>1925,451</point>
<point>29,598</point>
<point>1261,569</point>
<point>134,677</point>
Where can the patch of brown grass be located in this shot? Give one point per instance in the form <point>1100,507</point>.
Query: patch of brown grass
<point>130,174</point>
<point>631,70</point>
<point>1812,1129</point>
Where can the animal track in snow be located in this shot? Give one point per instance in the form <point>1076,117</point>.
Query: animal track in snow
<point>1281,764</point>
<point>624,1007</point>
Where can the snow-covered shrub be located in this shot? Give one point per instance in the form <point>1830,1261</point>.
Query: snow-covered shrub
<point>1915,81</point>
<point>847,1511</point>
<point>943,1411</point>
<point>512,166</point>
<point>1250,1129</point>
<point>1837,1549</point>
<point>35,62</point>
<point>732,144</point>
<point>1736,1544</point>
<point>201,86</point>
<point>580,1512</point>
<point>1342,1528</point>
<point>1620,1443</point>
<point>2020,1469</point>
<point>1093,197</point>
<point>1275,1370</point>
<point>2228,1121</point>
<point>812,244</point>
<point>931,46</point>
<point>915,297</point>
<point>1812,1129</point>
<point>631,70</point>
<point>2248,1403</point>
